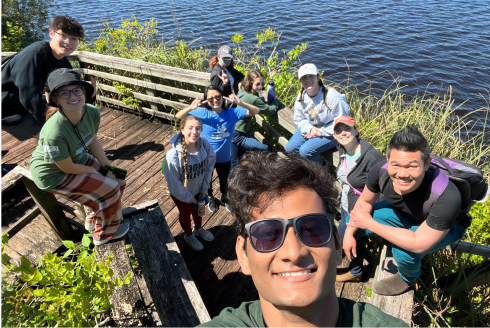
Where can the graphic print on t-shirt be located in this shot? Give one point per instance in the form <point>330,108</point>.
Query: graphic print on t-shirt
<point>220,133</point>
<point>51,152</point>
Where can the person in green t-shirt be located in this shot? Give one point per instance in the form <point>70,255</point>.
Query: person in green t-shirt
<point>251,93</point>
<point>289,245</point>
<point>61,164</point>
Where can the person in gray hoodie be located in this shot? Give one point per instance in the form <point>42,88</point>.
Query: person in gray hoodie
<point>188,168</point>
<point>357,157</point>
<point>315,110</point>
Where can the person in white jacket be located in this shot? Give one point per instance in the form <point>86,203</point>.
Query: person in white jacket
<point>188,169</point>
<point>315,111</point>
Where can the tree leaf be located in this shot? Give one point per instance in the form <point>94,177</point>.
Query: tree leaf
<point>86,240</point>
<point>69,244</point>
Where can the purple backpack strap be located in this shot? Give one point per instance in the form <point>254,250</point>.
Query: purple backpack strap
<point>439,184</point>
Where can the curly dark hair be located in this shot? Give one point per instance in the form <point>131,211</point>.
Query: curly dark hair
<point>67,25</point>
<point>262,177</point>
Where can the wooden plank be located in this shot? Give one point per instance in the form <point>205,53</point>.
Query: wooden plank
<point>400,306</point>
<point>140,67</point>
<point>257,135</point>
<point>286,119</point>
<point>50,208</point>
<point>143,84</point>
<point>151,99</point>
<point>267,127</point>
<point>26,219</point>
<point>129,306</point>
<point>143,109</point>
<point>10,179</point>
<point>139,207</point>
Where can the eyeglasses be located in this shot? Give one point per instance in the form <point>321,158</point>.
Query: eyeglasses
<point>65,94</point>
<point>259,83</point>
<point>66,37</point>
<point>216,98</point>
<point>312,229</point>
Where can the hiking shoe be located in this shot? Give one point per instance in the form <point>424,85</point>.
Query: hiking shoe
<point>227,207</point>
<point>213,205</point>
<point>193,242</point>
<point>121,231</point>
<point>347,277</point>
<point>204,234</point>
<point>394,285</point>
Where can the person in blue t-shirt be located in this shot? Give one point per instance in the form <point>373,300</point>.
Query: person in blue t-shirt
<point>218,127</point>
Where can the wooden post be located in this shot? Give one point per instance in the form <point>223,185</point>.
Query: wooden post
<point>52,211</point>
<point>153,93</point>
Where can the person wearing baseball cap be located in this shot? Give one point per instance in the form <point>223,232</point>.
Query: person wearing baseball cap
<point>223,73</point>
<point>61,164</point>
<point>315,110</point>
<point>357,157</point>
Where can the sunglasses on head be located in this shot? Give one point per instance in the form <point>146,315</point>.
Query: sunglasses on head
<point>215,98</point>
<point>65,94</point>
<point>312,229</point>
<point>259,83</point>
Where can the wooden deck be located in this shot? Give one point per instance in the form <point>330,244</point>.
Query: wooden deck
<point>139,145</point>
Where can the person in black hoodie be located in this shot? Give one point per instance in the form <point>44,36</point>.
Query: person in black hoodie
<point>357,157</point>
<point>223,73</point>
<point>24,77</point>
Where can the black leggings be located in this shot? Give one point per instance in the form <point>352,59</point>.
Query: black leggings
<point>223,169</point>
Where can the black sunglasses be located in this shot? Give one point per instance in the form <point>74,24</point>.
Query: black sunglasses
<point>216,98</point>
<point>312,229</point>
<point>259,83</point>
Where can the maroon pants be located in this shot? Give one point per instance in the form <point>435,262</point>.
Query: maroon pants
<point>185,210</point>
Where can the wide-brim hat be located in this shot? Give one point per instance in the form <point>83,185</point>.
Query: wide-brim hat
<point>307,69</point>
<point>63,77</point>
<point>225,52</point>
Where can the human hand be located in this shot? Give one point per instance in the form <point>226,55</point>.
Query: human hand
<point>349,246</point>
<point>194,201</point>
<point>197,103</point>
<point>93,81</point>
<point>234,99</point>
<point>203,195</point>
<point>360,218</point>
<point>224,77</point>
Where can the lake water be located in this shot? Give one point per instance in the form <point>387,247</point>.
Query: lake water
<point>432,44</point>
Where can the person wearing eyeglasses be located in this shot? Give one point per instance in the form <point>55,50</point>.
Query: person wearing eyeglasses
<point>24,77</point>
<point>61,164</point>
<point>315,110</point>
<point>218,126</point>
<point>288,243</point>
<point>251,93</point>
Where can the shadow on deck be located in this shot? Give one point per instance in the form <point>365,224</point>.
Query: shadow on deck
<point>139,145</point>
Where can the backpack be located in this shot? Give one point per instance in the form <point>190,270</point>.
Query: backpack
<point>7,59</point>
<point>467,178</point>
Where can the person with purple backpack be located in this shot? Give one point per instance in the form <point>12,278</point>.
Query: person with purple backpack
<point>357,157</point>
<point>422,211</point>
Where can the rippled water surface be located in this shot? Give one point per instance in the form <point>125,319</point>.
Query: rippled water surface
<point>441,43</point>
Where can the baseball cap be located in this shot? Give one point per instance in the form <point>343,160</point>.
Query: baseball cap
<point>225,52</point>
<point>66,76</point>
<point>307,69</point>
<point>347,120</point>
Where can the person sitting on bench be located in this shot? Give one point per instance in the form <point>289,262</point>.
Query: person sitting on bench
<point>418,216</point>
<point>61,164</point>
<point>288,243</point>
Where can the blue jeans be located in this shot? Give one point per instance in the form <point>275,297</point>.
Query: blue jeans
<point>310,148</point>
<point>241,143</point>
<point>355,267</point>
<point>408,263</point>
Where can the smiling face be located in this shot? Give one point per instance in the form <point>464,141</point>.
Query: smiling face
<point>191,131</point>
<point>295,275</point>
<point>407,170</point>
<point>310,83</point>
<point>345,134</point>
<point>215,99</point>
<point>258,85</point>
<point>62,44</point>
<point>73,102</point>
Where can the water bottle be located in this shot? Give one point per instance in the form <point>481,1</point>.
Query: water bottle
<point>201,207</point>
<point>271,92</point>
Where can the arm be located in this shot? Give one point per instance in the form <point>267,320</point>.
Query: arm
<point>194,105</point>
<point>171,172</point>
<point>338,106</point>
<point>300,118</point>
<point>66,165</point>
<point>264,107</point>
<point>251,109</point>
<point>96,149</point>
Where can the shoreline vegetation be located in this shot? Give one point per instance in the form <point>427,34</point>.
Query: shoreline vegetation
<point>379,113</point>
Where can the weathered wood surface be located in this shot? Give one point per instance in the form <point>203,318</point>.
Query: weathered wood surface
<point>139,145</point>
<point>400,306</point>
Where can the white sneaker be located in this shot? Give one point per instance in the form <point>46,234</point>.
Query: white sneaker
<point>121,231</point>
<point>204,234</point>
<point>193,242</point>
